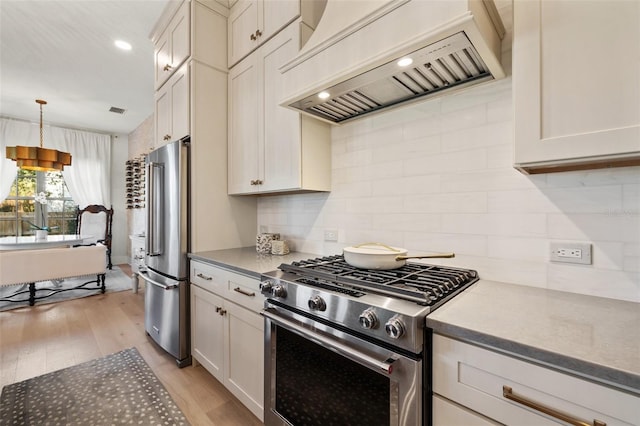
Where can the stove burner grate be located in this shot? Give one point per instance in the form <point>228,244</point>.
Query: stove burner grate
<point>417,282</point>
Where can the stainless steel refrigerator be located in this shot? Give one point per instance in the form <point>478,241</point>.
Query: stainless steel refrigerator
<point>167,244</point>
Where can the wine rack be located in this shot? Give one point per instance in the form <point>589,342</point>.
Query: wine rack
<point>135,183</point>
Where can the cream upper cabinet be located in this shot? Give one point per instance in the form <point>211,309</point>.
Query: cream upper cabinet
<point>493,387</point>
<point>271,148</point>
<point>172,108</point>
<point>172,48</point>
<point>576,80</point>
<point>193,101</point>
<point>253,22</point>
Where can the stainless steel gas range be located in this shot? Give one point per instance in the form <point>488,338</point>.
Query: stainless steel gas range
<point>349,346</point>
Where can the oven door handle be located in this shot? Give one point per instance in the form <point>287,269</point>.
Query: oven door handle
<point>353,354</point>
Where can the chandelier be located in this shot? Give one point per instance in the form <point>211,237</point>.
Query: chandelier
<point>39,159</point>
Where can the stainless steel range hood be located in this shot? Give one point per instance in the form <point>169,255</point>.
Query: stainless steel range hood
<point>352,57</point>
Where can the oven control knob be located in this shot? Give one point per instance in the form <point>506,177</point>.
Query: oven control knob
<point>316,303</point>
<point>368,319</point>
<point>278,290</point>
<point>266,286</point>
<point>394,328</point>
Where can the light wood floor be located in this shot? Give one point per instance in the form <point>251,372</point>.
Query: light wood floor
<point>48,337</point>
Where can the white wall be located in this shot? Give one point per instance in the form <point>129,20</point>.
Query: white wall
<point>438,176</point>
<point>120,236</point>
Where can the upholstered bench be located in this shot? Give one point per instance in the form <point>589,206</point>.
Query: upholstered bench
<point>32,266</point>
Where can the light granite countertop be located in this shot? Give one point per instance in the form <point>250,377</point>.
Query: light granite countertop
<point>247,261</point>
<point>592,337</point>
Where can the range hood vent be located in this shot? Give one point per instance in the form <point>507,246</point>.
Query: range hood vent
<point>442,59</point>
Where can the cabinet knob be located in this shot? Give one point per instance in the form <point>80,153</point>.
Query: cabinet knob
<point>252,37</point>
<point>167,67</point>
<point>256,182</point>
<point>166,137</point>
<point>258,33</point>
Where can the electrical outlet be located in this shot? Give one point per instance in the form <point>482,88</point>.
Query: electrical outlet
<point>571,252</point>
<point>331,235</point>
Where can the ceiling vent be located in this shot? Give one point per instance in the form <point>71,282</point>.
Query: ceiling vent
<point>352,60</point>
<point>117,110</point>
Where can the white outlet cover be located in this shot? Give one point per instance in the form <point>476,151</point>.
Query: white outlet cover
<point>557,247</point>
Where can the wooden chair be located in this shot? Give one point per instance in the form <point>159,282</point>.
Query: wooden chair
<point>93,224</point>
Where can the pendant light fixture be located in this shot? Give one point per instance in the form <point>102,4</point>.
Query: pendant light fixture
<point>39,159</point>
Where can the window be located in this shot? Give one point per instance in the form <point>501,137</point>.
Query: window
<point>20,213</point>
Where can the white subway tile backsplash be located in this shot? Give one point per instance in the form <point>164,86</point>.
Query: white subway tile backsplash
<point>405,149</point>
<point>517,225</point>
<point>597,282</point>
<point>525,249</point>
<point>460,244</point>
<point>594,227</point>
<point>410,186</point>
<point>500,133</point>
<point>399,222</point>
<point>488,180</point>
<point>441,163</point>
<point>462,202</point>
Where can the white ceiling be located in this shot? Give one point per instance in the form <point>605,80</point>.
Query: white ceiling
<point>63,52</point>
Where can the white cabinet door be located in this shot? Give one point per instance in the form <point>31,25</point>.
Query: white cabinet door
<point>281,148</point>
<point>173,47</point>
<point>243,24</point>
<point>576,79</point>
<point>244,365</point>
<point>208,331</point>
<point>272,148</point>
<point>276,15</point>
<point>172,108</point>
<point>244,109</point>
<point>254,22</point>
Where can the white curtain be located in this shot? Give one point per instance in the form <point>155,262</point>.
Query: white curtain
<point>88,176</point>
<point>12,133</point>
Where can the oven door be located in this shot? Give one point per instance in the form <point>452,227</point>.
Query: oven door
<point>318,375</point>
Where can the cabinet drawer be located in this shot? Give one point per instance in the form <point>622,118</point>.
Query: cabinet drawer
<point>238,288</point>
<point>475,377</point>
<point>245,291</point>
<point>208,277</point>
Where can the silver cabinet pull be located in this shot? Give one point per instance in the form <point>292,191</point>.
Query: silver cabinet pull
<point>507,392</point>
<point>204,277</point>
<point>246,293</point>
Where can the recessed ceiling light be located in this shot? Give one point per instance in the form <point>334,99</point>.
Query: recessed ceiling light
<point>323,95</point>
<point>404,62</point>
<point>122,45</point>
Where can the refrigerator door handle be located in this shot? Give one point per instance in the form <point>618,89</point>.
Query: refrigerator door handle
<point>154,208</point>
<point>157,284</point>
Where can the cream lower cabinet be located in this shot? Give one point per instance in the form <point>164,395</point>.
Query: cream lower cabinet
<point>472,382</point>
<point>576,84</point>
<point>271,148</point>
<point>227,331</point>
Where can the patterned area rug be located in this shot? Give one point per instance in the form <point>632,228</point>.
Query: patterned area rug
<point>117,389</point>
<point>115,280</point>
